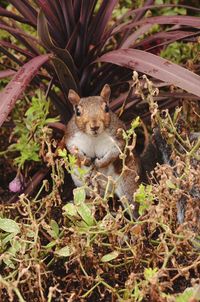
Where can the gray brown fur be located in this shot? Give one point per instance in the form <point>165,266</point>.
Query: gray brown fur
<point>94,135</point>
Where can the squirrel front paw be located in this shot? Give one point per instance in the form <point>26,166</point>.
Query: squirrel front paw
<point>86,161</point>
<point>82,160</point>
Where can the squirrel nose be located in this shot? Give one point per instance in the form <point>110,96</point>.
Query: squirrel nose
<point>95,128</point>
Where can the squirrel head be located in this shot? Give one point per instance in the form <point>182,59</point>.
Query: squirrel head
<point>92,114</point>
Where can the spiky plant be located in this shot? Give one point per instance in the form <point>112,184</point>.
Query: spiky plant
<point>80,46</point>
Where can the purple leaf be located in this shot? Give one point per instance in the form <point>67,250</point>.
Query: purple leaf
<point>16,31</point>
<point>141,13</point>
<point>64,75</point>
<point>83,41</point>
<point>101,19</point>
<point>18,84</point>
<point>54,24</point>
<point>62,54</point>
<point>18,49</point>
<point>6,73</point>
<point>149,7</point>
<point>10,55</point>
<point>26,10</point>
<point>133,37</point>
<point>168,37</point>
<point>181,20</point>
<point>5,13</point>
<point>154,66</point>
<point>67,9</point>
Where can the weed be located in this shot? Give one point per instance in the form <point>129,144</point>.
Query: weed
<point>28,132</point>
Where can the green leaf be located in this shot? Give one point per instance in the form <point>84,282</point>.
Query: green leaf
<point>9,225</point>
<point>9,263</point>
<point>16,247</point>
<point>62,152</point>
<point>55,229</point>
<point>138,294</point>
<point>72,160</point>
<point>135,123</point>
<point>82,208</point>
<point>79,195</point>
<point>51,120</point>
<point>8,238</point>
<point>170,184</point>
<point>109,257</point>
<point>150,273</point>
<point>50,244</point>
<point>86,214</point>
<point>31,234</point>
<point>70,209</point>
<point>186,296</point>
<point>64,252</point>
<point>144,197</point>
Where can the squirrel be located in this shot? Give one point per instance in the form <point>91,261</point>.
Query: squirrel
<point>93,135</point>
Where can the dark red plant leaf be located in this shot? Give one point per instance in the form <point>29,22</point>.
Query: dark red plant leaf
<point>76,9</point>
<point>26,10</point>
<point>57,9</point>
<point>22,51</point>
<point>134,36</point>
<point>18,84</point>
<point>10,55</point>
<point>154,66</point>
<point>49,13</point>
<point>168,37</point>
<point>5,13</point>
<point>27,40</point>
<point>100,21</point>
<point>72,40</point>
<point>180,20</point>
<point>140,13</point>
<point>6,73</point>
<point>84,20</point>
<point>16,31</point>
<point>54,23</point>
<point>65,110</point>
<point>64,75</point>
<point>62,54</point>
<point>149,7</point>
<point>67,9</point>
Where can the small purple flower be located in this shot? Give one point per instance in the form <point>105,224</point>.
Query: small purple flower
<point>16,184</point>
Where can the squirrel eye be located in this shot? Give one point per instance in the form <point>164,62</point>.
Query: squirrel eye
<point>77,111</point>
<point>106,108</point>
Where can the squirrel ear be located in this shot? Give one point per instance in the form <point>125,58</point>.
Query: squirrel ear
<point>73,97</point>
<point>105,92</point>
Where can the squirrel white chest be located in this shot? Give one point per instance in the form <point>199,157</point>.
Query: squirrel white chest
<point>92,146</point>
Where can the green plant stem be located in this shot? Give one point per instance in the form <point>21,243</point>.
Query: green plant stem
<point>195,148</point>
<point>17,292</point>
<point>11,286</point>
<point>83,270</point>
<point>90,290</point>
<point>166,259</point>
<point>39,192</point>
